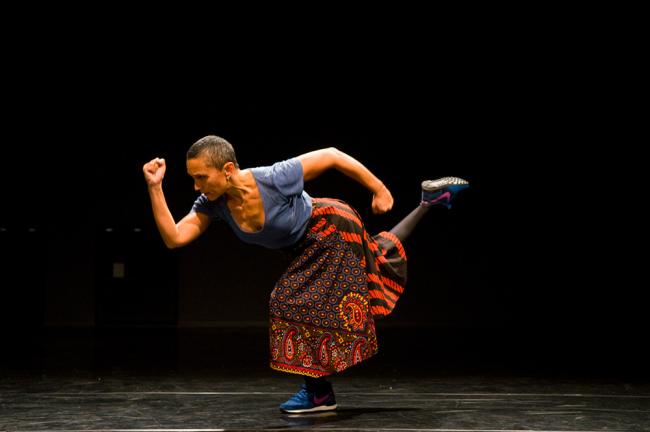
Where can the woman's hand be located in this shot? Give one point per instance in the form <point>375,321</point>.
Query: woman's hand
<point>382,201</point>
<point>154,171</point>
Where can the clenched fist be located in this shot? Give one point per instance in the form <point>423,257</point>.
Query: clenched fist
<point>154,171</point>
<point>382,201</point>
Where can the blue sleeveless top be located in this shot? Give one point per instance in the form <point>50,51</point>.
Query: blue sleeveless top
<point>287,207</point>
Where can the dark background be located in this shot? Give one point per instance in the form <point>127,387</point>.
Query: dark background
<point>530,257</point>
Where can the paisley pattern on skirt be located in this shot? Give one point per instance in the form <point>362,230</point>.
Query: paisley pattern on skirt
<point>322,310</point>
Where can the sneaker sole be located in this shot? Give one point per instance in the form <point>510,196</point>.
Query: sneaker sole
<point>434,185</point>
<point>310,410</point>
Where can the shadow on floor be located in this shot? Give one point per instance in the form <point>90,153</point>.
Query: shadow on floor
<point>340,414</point>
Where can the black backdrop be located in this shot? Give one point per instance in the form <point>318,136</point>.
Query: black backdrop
<point>527,250</point>
<point>88,203</point>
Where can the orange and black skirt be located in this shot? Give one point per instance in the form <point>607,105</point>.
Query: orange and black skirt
<point>323,308</point>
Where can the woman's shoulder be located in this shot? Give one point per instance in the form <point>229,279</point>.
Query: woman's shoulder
<point>285,175</point>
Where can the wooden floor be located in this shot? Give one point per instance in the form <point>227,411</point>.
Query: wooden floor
<point>218,380</point>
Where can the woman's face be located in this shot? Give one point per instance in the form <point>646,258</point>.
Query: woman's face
<point>208,180</point>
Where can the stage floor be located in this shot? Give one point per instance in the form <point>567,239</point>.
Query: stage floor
<point>127,380</point>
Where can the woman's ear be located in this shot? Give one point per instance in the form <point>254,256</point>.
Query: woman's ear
<point>228,169</point>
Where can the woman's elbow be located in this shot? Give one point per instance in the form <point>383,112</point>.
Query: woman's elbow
<point>333,151</point>
<point>172,244</point>
<point>334,156</point>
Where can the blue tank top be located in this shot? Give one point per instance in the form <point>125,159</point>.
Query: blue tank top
<point>287,207</point>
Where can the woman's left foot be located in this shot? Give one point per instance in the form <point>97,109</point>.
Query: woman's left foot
<point>442,190</point>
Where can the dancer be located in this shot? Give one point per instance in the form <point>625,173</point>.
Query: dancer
<point>340,280</point>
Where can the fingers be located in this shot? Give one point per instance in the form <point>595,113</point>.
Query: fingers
<point>154,164</point>
<point>380,209</point>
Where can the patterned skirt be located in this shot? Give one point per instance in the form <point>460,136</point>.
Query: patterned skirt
<point>323,308</point>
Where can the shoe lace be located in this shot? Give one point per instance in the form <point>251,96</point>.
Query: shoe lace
<point>302,395</point>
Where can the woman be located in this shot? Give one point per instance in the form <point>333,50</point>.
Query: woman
<point>341,279</point>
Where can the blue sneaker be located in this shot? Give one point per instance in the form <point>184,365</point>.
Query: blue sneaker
<point>306,401</point>
<point>442,191</point>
